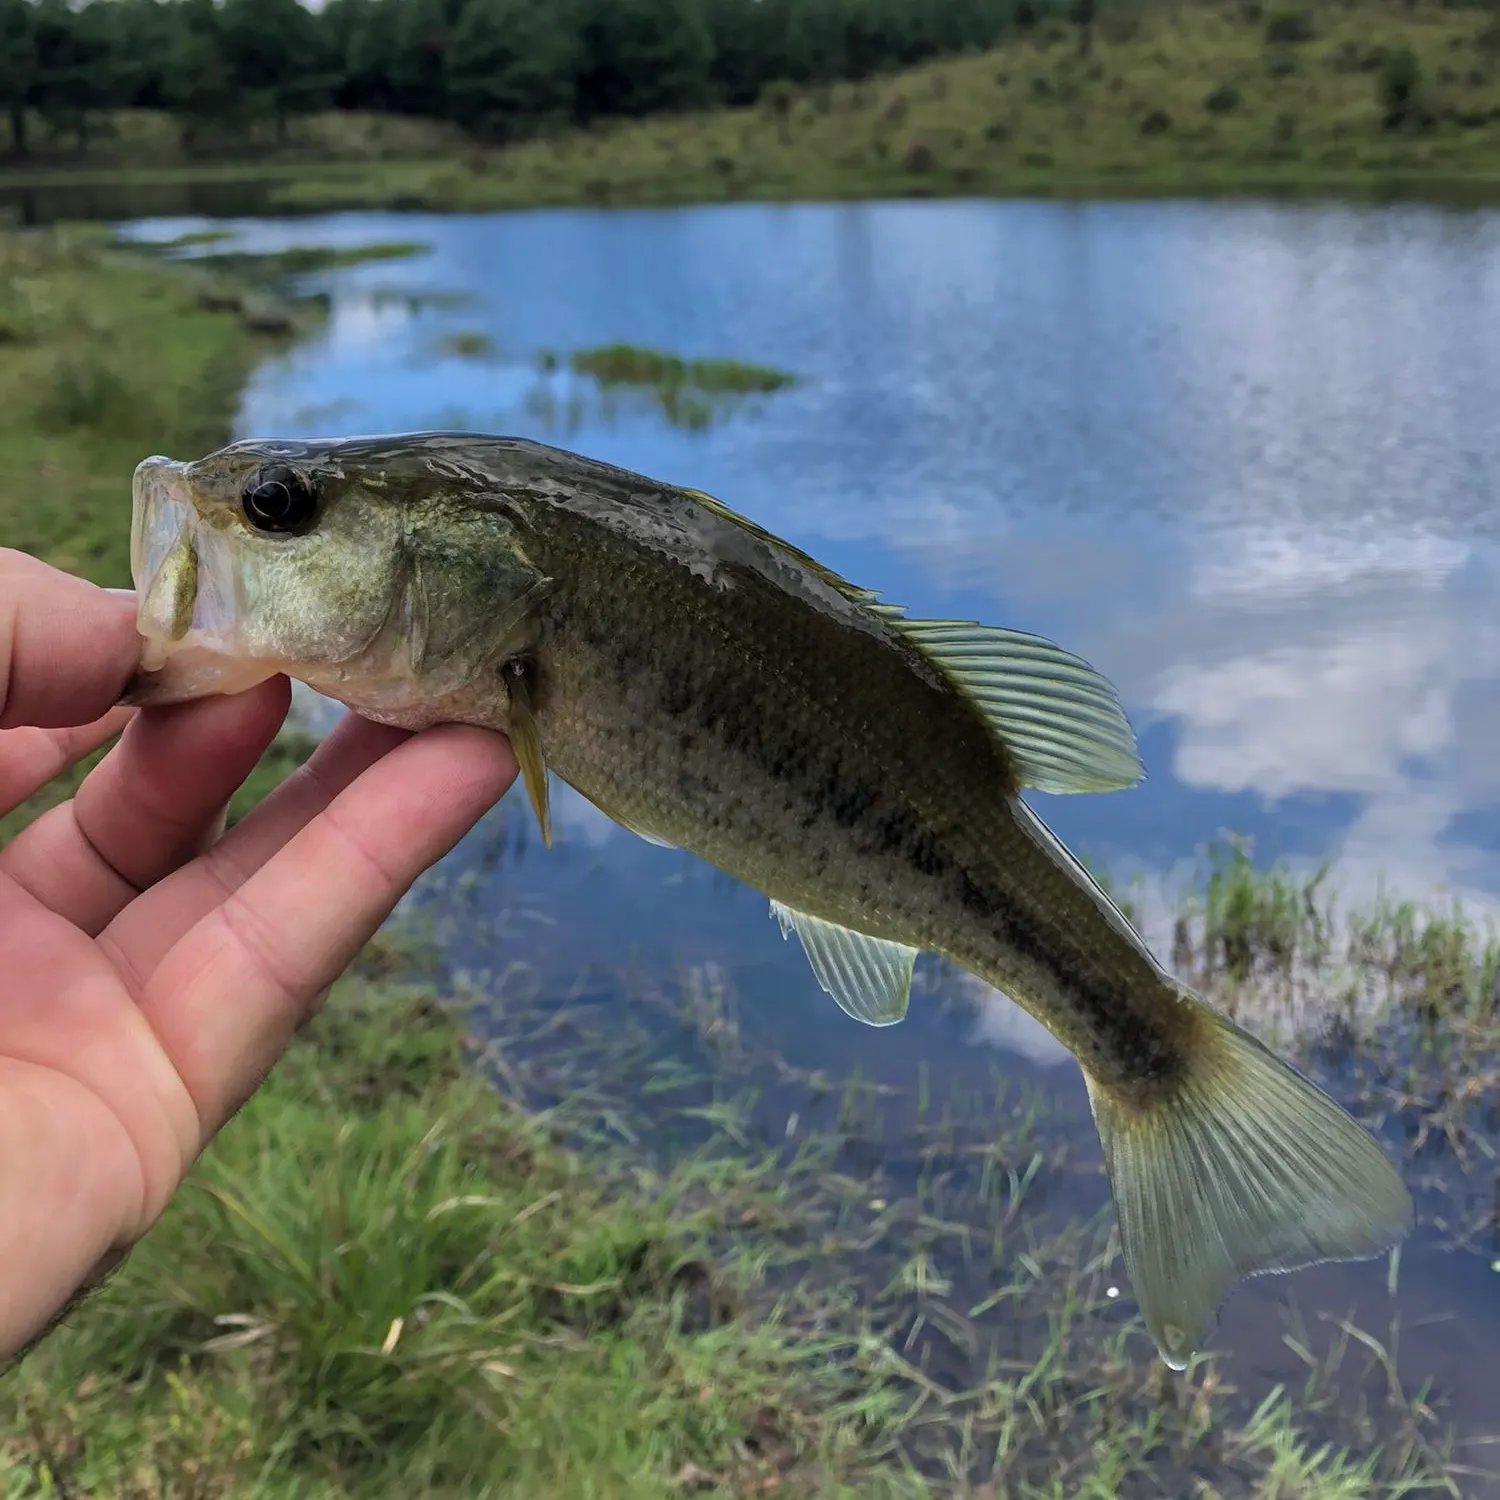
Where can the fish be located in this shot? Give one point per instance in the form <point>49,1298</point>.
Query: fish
<point>711,687</point>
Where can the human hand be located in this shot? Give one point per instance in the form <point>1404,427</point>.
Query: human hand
<point>152,966</point>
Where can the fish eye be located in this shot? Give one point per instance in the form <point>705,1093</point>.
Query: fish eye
<point>280,500</point>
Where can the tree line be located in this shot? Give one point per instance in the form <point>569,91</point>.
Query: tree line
<point>500,68</point>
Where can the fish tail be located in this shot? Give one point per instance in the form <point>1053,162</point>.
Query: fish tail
<point>1243,1168</point>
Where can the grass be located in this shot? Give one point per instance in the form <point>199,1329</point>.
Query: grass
<point>625,364</point>
<point>383,1279</point>
<point>102,361</point>
<point>295,260</point>
<point>1216,97</point>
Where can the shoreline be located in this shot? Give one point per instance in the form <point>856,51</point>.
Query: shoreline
<point>421,186</point>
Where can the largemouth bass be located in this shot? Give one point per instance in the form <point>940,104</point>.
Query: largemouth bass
<point>709,686</point>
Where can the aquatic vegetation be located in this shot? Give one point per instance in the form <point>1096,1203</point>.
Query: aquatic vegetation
<point>1400,998</point>
<point>593,384</point>
<point>565,412</point>
<point>300,260</point>
<point>626,364</point>
<point>1254,918</point>
<point>260,287</point>
<point>192,239</point>
<point>467,344</point>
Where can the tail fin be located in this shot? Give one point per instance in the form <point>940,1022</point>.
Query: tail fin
<point>1248,1168</point>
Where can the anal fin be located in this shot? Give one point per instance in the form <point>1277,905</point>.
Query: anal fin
<point>870,978</point>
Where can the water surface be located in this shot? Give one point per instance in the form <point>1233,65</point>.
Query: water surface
<point>1242,457</point>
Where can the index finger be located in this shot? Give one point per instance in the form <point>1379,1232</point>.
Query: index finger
<point>67,647</point>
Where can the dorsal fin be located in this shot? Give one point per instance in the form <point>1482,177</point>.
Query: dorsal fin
<point>1059,719</point>
<point>852,592</point>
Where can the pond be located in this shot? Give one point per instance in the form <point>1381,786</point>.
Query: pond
<point>1242,457</point>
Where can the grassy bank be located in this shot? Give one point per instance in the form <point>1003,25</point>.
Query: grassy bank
<point>388,1276</point>
<point>1368,97</point>
<point>384,1280</point>
<point>103,360</point>
<point>106,357</point>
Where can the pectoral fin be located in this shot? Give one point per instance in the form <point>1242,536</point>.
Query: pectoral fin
<point>526,741</point>
<point>869,977</point>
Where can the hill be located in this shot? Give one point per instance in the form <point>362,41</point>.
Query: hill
<point>1354,98</point>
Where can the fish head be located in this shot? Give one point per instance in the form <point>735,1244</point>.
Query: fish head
<point>352,566</point>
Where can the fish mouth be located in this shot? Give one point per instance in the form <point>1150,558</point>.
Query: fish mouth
<point>163,556</point>
<point>188,607</point>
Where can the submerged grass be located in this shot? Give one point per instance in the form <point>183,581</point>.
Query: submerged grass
<point>297,260</point>
<point>626,364</point>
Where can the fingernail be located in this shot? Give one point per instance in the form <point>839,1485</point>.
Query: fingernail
<point>123,593</point>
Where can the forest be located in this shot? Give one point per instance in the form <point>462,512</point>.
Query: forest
<point>502,69</point>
